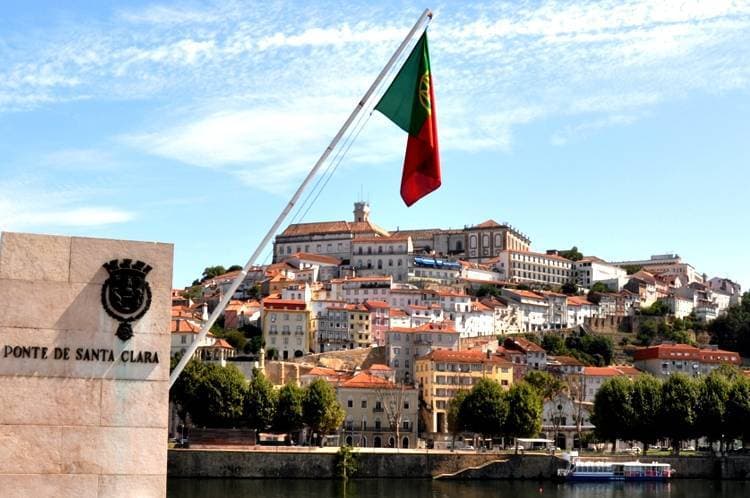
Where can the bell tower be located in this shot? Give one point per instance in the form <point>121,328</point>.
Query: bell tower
<point>361,211</point>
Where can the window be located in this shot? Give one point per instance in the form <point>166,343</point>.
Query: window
<point>364,403</point>
<point>183,339</point>
<point>350,403</point>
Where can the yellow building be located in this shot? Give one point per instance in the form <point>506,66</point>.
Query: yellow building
<point>359,325</point>
<point>286,327</point>
<point>442,373</point>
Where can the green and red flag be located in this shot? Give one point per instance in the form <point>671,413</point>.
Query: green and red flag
<point>410,103</point>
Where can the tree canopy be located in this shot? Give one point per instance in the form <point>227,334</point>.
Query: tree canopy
<point>572,254</point>
<point>613,412</point>
<point>212,395</point>
<point>524,418</point>
<point>289,416</point>
<point>546,385</point>
<point>484,408</point>
<point>732,330</point>
<point>677,417</point>
<point>260,403</point>
<point>321,410</point>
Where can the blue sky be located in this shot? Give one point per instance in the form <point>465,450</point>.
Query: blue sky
<point>620,127</point>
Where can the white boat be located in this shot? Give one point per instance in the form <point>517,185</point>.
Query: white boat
<point>588,470</point>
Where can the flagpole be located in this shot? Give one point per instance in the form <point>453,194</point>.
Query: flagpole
<point>421,24</point>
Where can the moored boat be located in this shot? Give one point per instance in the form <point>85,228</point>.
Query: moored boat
<point>588,470</point>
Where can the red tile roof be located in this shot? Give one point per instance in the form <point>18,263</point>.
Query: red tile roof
<point>376,304</point>
<point>380,367</point>
<point>446,327</point>
<point>470,356</point>
<point>488,224</point>
<point>686,352</point>
<point>290,304</point>
<point>579,301</point>
<point>180,326</point>
<point>364,380</point>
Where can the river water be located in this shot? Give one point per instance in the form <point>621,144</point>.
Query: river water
<point>417,488</point>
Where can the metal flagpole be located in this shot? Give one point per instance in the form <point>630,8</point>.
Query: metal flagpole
<point>423,20</point>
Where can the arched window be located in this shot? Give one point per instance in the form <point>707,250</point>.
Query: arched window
<point>380,264</point>
<point>485,240</point>
<point>473,241</point>
<point>376,443</point>
<point>391,442</point>
<point>348,440</point>
<point>405,442</point>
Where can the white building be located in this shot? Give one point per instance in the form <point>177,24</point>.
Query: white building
<point>590,270</point>
<point>533,308</point>
<point>478,321</point>
<point>382,256</point>
<point>580,309</point>
<point>733,289</point>
<point>665,264</point>
<point>359,289</point>
<point>534,268</point>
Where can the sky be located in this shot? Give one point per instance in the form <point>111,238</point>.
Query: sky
<point>621,127</point>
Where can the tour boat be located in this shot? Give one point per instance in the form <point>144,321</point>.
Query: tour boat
<point>586,470</point>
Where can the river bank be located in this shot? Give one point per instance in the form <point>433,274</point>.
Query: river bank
<point>402,464</point>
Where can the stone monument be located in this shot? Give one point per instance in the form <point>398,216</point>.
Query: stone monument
<point>84,366</point>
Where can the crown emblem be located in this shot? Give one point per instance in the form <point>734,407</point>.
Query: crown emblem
<point>126,295</point>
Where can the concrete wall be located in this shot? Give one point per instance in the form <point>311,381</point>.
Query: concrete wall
<point>74,426</point>
<point>319,465</point>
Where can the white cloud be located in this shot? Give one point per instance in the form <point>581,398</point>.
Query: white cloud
<point>575,132</point>
<point>79,159</point>
<point>26,204</point>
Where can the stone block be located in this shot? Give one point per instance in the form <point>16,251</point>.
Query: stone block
<point>43,485</point>
<point>26,256</point>
<point>30,449</point>
<point>49,401</point>
<point>132,486</point>
<point>84,368</point>
<point>113,450</point>
<point>88,255</point>
<point>62,306</point>
<point>135,404</point>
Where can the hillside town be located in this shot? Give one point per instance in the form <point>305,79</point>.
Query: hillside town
<point>412,318</point>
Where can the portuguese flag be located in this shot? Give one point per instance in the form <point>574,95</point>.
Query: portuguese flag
<point>410,103</point>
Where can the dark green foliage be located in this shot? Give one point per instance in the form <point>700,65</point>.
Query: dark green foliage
<point>632,269</point>
<point>524,418</point>
<point>659,308</point>
<point>484,409</point>
<point>234,268</point>
<point>592,349</point>
<point>320,408</point>
<point>569,288</point>
<point>346,463</point>
<point>455,424</point>
<point>713,394</point>
<point>572,254</point>
<point>488,290</point>
<point>554,344</point>
<point>289,417</point>
<point>211,394</point>
<point>546,385</point>
<point>646,405</point>
<point>737,412</point>
<point>212,271</point>
<point>599,287</point>
<point>732,330</point>
<point>260,403</point>
<point>677,417</point>
<point>613,411</point>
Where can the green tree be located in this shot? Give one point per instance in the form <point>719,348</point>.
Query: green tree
<point>484,409</point>
<point>713,394</point>
<point>234,268</point>
<point>613,412</point>
<point>488,290</point>
<point>677,417</point>
<point>569,288</point>
<point>321,410</point>
<point>212,271</point>
<point>546,385</point>
<point>572,254</point>
<point>260,403</point>
<point>211,394</point>
<point>289,416</point>
<point>524,417</point>
<point>599,287</point>
<point>554,344</point>
<point>732,330</point>
<point>738,410</point>
<point>647,332</point>
<point>645,401</point>
<point>632,269</point>
<point>455,424</point>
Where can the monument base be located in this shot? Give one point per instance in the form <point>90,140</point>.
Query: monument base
<point>83,413</point>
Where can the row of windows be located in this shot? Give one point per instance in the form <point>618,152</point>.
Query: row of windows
<point>379,251</point>
<point>540,259</point>
<point>318,248</point>
<point>299,316</point>
<point>378,404</point>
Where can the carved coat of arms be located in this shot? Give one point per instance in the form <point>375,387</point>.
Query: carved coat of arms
<point>126,295</point>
